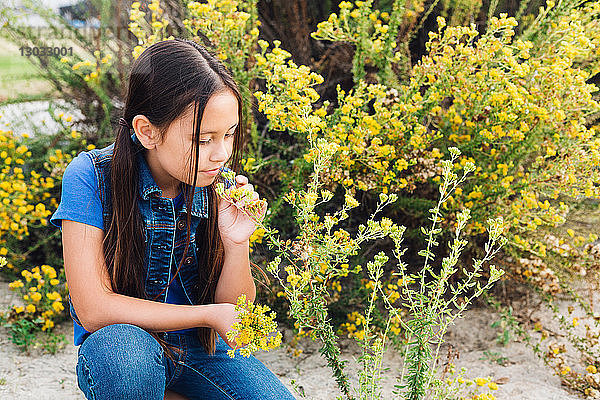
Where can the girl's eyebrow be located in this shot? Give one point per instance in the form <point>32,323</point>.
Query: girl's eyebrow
<point>210,132</point>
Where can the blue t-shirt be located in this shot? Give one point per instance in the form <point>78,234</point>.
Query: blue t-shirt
<point>80,202</point>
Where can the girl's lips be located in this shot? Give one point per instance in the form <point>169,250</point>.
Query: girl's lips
<point>212,172</point>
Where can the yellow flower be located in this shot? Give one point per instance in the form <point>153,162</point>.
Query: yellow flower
<point>493,386</point>
<point>37,296</point>
<point>30,308</point>
<point>54,282</point>
<point>57,306</point>
<point>53,296</point>
<point>351,201</point>
<point>481,381</point>
<point>591,369</point>
<point>48,324</point>
<point>16,284</point>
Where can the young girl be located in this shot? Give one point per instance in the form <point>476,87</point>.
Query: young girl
<point>154,260</point>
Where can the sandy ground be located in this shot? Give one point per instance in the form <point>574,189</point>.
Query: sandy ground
<point>42,376</point>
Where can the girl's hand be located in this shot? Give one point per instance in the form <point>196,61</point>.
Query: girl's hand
<point>224,316</point>
<point>234,225</point>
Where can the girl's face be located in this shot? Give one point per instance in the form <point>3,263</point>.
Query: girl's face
<point>174,157</point>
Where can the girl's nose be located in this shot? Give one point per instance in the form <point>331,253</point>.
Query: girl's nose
<point>220,152</point>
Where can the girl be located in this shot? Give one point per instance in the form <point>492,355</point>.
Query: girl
<point>154,261</point>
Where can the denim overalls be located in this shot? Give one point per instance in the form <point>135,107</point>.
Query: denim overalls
<point>123,361</point>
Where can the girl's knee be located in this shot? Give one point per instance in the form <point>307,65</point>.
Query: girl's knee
<point>120,361</point>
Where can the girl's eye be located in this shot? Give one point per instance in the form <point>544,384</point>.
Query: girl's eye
<point>207,141</point>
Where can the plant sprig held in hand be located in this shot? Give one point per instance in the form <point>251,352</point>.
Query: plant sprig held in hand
<point>240,197</point>
<point>256,330</point>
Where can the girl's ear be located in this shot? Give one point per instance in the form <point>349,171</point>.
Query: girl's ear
<point>145,132</point>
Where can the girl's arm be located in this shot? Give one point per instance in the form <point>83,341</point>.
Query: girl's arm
<point>235,278</point>
<point>97,305</point>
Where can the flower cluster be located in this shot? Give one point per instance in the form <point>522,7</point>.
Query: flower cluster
<point>91,71</point>
<point>256,329</point>
<point>231,26</point>
<point>257,236</point>
<point>354,327</point>
<point>457,385</point>
<point>146,31</point>
<point>43,291</point>
<point>290,92</point>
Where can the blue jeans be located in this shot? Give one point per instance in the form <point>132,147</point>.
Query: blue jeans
<point>124,362</point>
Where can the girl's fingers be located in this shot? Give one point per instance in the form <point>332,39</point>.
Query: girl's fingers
<point>241,180</point>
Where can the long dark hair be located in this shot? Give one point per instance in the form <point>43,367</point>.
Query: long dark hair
<point>165,79</point>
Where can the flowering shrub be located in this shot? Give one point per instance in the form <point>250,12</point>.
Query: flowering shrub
<point>43,291</point>
<point>91,71</point>
<point>18,207</point>
<point>26,196</point>
<point>522,165</point>
<point>529,146</point>
<point>479,92</point>
<point>43,297</point>
<point>31,177</point>
<point>321,254</point>
<point>31,172</point>
<point>372,32</point>
<point>256,329</point>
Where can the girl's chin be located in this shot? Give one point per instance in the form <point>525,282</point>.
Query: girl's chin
<point>204,180</point>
